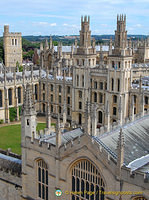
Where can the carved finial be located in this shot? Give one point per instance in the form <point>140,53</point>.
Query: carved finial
<point>51,45</point>
<point>41,46</point>
<point>120,152</point>
<point>46,45</point>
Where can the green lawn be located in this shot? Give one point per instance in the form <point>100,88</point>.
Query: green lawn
<point>10,137</point>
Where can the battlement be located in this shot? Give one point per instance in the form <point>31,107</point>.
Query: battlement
<point>85,19</point>
<point>121,18</point>
<point>6,32</point>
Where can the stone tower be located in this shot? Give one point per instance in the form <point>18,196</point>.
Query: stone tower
<point>12,47</point>
<point>85,33</point>
<point>84,59</point>
<point>121,33</point>
<point>119,73</point>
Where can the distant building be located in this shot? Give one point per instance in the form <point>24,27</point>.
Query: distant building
<point>12,48</point>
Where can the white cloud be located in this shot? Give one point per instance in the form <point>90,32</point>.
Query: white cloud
<point>53,24</point>
<point>43,23</point>
<point>138,25</point>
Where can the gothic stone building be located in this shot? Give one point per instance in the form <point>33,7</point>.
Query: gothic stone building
<point>111,166</point>
<point>67,80</point>
<point>84,162</point>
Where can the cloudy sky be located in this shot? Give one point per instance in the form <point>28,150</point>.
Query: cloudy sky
<point>62,17</point>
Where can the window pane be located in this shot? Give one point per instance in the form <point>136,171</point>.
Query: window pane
<point>97,192</point>
<point>87,189</point>
<point>43,191</point>
<point>73,183</point>
<point>46,177</point>
<point>46,193</point>
<point>78,185</point>
<point>43,174</point>
<point>82,188</point>
<point>39,174</point>
<point>39,190</point>
<point>92,190</point>
<point>102,193</point>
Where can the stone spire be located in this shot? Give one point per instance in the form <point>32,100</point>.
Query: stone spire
<point>120,152</point>
<point>64,97</point>
<point>94,42</point>
<point>129,44</point>
<point>72,50</point>
<point>41,46</point>
<point>58,133</point>
<point>142,104</point>
<point>28,106</point>
<point>132,108</point>
<point>108,116</point>
<point>28,119</point>
<point>48,117</point>
<point>51,42</point>
<point>120,111</point>
<point>101,54</point>
<point>110,46</point>
<point>46,45</point>
<point>76,44</point>
<point>59,50</point>
<point>94,121</point>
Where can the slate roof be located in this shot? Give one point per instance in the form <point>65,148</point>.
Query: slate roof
<point>140,163</point>
<point>9,163</point>
<point>66,137</point>
<point>136,137</point>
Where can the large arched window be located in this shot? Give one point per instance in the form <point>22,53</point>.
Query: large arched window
<point>19,94</point>
<point>10,96</point>
<point>86,179</point>
<point>1,98</point>
<point>42,174</point>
